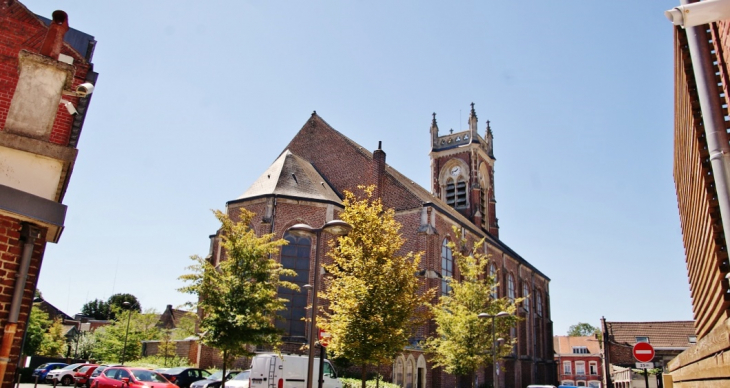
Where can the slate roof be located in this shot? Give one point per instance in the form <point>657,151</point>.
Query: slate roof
<point>293,176</point>
<point>563,344</point>
<point>669,334</point>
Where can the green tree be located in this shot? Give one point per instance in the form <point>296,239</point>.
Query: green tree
<point>38,324</point>
<point>167,347</point>
<point>238,298</point>
<point>96,309</point>
<point>109,344</point>
<point>463,341</point>
<point>373,291</point>
<point>582,329</point>
<point>116,303</point>
<point>54,341</point>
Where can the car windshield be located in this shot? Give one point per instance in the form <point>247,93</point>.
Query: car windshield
<point>216,376</point>
<point>98,370</point>
<point>84,369</point>
<point>174,371</point>
<point>72,366</point>
<point>241,376</point>
<point>148,376</point>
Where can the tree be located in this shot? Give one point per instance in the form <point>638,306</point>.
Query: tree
<point>54,342</point>
<point>109,344</point>
<point>96,309</point>
<point>463,341</point>
<point>582,329</point>
<point>168,347</point>
<point>38,324</point>
<point>238,299</point>
<point>116,303</point>
<point>373,291</point>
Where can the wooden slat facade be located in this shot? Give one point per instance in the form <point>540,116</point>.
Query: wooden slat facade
<point>707,364</point>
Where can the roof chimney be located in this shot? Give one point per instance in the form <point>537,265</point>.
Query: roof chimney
<point>54,37</point>
<point>379,168</point>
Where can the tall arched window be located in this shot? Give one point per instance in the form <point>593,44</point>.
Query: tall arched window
<point>538,303</point>
<point>493,274</point>
<point>295,256</point>
<point>526,295</point>
<point>511,288</point>
<point>447,266</point>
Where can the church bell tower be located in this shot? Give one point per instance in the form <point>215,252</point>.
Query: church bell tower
<point>462,172</point>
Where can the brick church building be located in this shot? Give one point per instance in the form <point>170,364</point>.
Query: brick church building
<point>305,184</point>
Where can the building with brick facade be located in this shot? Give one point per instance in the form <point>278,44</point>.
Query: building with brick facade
<point>305,184</point>
<point>669,338</point>
<point>579,361</point>
<point>42,64</point>
<point>701,165</point>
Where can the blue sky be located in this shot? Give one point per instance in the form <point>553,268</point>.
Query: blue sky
<point>195,100</point>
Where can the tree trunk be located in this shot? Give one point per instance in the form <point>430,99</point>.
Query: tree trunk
<point>225,364</point>
<point>364,375</point>
<point>377,377</point>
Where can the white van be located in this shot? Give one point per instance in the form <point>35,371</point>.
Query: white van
<point>288,371</point>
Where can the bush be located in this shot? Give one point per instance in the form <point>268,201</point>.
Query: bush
<point>357,383</point>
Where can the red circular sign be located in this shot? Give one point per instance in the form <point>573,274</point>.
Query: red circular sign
<point>643,352</point>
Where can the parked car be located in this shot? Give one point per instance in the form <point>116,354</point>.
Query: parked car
<point>183,377</point>
<point>43,370</point>
<point>64,375</point>
<point>240,381</point>
<point>120,376</point>
<point>97,372</point>
<point>214,380</point>
<point>81,377</point>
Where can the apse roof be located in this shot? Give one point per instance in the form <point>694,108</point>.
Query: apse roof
<point>293,176</point>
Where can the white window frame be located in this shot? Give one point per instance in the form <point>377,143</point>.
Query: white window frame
<point>447,256</point>
<point>578,366</point>
<point>511,287</point>
<point>567,368</point>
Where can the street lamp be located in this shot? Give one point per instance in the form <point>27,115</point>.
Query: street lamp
<point>335,228</point>
<point>129,315</point>
<point>495,377</point>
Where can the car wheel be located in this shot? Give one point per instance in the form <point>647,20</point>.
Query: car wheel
<point>66,380</point>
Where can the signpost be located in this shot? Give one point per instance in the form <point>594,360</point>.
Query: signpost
<point>644,353</point>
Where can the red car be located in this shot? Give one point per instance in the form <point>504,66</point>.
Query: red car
<point>81,377</point>
<point>118,377</point>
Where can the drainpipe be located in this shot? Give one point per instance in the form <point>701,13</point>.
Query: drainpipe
<point>713,118</point>
<point>28,234</point>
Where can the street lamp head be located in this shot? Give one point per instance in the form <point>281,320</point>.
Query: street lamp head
<point>429,274</point>
<point>502,314</point>
<point>337,228</point>
<point>126,304</point>
<point>485,316</point>
<point>302,230</point>
<point>498,315</point>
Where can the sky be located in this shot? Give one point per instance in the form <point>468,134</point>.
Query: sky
<point>196,99</point>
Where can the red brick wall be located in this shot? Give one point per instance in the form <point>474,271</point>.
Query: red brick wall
<point>21,30</point>
<point>10,255</point>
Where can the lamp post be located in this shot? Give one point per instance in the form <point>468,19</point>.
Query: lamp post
<point>335,228</point>
<point>126,333</point>
<point>495,377</point>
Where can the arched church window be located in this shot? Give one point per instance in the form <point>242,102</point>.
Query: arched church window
<point>526,295</point>
<point>295,256</point>
<point>447,266</point>
<point>538,303</point>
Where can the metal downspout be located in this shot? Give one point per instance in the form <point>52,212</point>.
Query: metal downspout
<point>713,118</point>
<point>28,234</point>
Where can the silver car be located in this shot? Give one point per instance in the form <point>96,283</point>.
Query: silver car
<point>240,381</point>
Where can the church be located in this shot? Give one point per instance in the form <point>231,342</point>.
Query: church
<point>305,184</point>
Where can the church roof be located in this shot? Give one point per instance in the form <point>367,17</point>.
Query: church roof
<point>325,147</point>
<point>293,176</point>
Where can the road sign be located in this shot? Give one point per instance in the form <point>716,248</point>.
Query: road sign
<point>643,352</point>
<point>324,338</point>
<point>644,365</point>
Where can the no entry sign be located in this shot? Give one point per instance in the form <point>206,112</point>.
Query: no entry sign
<point>643,352</point>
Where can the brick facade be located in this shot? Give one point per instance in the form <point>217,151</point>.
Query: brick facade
<point>427,220</point>
<point>37,216</point>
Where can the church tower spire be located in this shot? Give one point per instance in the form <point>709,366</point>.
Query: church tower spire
<point>462,166</point>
